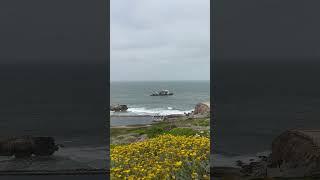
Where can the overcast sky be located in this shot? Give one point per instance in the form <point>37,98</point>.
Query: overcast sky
<point>37,31</point>
<point>270,30</point>
<point>160,40</point>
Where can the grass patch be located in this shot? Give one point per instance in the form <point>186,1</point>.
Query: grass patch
<point>159,129</point>
<point>205,133</point>
<point>119,131</point>
<point>201,122</point>
<point>182,122</point>
<point>139,131</point>
<point>165,127</point>
<point>113,145</point>
<point>182,132</point>
<point>154,132</point>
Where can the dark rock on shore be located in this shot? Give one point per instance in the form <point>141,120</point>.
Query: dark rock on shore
<point>201,110</point>
<point>256,169</point>
<point>26,146</point>
<point>44,146</point>
<point>295,153</point>
<point>297,149</point>
<point>118,108</point>
<point>225,171</point>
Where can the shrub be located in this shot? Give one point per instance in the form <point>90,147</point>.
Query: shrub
<point>157,130</point>
<point>163,157</point>
<point>154,132</point>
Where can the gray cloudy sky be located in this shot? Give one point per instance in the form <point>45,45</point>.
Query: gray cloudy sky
<point>38,31</point>
<point>270,30</point>
<point>160,39</point>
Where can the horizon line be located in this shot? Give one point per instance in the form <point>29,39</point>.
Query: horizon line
<point>157,80</point>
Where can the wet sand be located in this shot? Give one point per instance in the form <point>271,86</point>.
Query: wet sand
<point>130,120</point>
<point>66,160</point>
<point>131,126</point>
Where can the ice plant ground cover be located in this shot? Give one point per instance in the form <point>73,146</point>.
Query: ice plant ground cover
<point>166,156</point>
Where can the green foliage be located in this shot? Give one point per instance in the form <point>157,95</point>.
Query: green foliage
<point>139,131</point>
<point>201,122</point>
<point>178,127</point>
<point>205,133</point>
<point>158,129</point>
<point>154,132</point>
<point>194,170</point>
<point>182,132</point>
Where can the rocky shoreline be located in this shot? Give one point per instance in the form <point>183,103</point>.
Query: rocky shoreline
<point>133,133</point>
<point>201,109</point>
<point>294,153</point>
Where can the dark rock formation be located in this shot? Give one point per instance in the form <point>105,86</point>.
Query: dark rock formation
<point>295,153</point>
<point>223,172</point>
<point>44,146</point>
<point>255,169</point>
<point>118,108</point>
<point>297,149</point>
<point>26,146</point>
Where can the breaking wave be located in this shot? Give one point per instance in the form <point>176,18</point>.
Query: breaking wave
<point>142,111</point>
<point>156,111</point>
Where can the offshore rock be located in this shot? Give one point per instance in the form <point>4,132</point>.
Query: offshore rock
<point>118,108</point>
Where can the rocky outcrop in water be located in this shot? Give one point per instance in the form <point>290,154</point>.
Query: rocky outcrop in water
<point>26,146</point>
<point>118,108</point>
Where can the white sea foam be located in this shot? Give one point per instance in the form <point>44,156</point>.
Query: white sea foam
<point>156,111</point>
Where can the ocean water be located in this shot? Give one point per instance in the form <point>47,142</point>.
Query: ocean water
<point>64,101</point>
<point>256,102</point>
<point>136,95</point>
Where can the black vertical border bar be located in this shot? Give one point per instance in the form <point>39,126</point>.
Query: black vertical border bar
<point>212,84</point>
<point>216,55</point>
<point>107,85</point>
<point>211,77</point>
